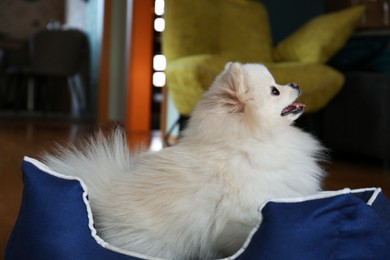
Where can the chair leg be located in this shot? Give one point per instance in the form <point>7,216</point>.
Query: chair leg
<point>76,89</point>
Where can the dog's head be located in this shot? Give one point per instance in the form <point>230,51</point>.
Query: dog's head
<point>241,88</point>
<point>246,96</point>
<point>259,91</point>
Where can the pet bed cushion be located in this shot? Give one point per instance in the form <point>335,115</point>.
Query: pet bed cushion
<point>55,222</point>
<point>320,38</point>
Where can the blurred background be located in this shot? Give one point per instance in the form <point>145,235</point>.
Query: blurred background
<point>68,67</point>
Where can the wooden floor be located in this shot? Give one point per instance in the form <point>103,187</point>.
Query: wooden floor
<point>31,136</point>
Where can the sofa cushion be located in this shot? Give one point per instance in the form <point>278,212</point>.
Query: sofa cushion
<point>320,38</point>
<point>238,29</point>
<point>245,32</point>
<point>185,29</point>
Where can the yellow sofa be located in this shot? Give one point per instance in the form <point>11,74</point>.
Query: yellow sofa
<point>202,35</point>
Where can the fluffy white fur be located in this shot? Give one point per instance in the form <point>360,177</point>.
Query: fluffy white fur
<point>199,199</point>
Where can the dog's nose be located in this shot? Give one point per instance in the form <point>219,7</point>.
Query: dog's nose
<point>294,85</point>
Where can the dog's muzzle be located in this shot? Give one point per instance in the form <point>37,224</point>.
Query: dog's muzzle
<point>296,87</point>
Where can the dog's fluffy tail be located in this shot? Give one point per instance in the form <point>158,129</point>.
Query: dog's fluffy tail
<point>96,160</point>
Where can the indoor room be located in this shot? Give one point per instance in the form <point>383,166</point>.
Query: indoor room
<point>72,68</point>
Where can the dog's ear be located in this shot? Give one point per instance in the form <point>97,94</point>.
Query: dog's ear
<point>233,90</point>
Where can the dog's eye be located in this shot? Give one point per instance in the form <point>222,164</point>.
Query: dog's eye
<point>275,91</point>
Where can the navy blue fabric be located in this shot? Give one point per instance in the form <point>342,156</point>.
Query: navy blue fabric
<point>338,227</point>
<point>53,224</point>
<point>53,221</point>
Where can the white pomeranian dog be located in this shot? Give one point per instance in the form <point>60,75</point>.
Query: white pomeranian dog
<point>200,198</point>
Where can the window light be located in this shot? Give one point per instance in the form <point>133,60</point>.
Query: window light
<point>159,24</point>
<point>159,7</point>
<point>159,79</point>
<point>159,62</point>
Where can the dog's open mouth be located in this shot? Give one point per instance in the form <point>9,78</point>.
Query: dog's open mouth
<point>294,108</point>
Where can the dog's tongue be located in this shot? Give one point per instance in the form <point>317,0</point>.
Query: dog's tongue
<point>297,105</point>
<point>292,107</point>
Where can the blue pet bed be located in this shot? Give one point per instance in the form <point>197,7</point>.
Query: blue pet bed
<point>55,222</point>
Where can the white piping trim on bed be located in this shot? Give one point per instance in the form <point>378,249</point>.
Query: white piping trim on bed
<point>326,194</point>
<point>100,241</point>
<point>97,238</point>
<point>320,195</point>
